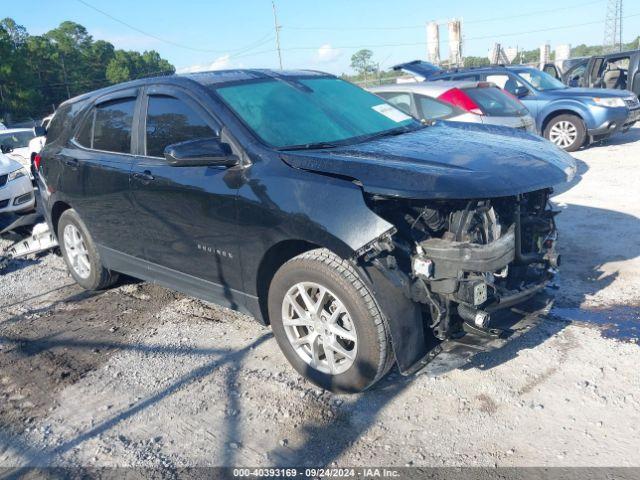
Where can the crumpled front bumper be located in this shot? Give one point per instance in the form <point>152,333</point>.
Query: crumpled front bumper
<point>476,276</point>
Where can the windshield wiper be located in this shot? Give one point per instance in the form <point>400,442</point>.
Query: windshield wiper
<point>351,141</point>
<point>311,146</point>
<point>393,131</point>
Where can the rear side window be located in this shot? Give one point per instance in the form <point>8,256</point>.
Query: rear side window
<point>85,134</point>
<point>58,123</point>
<point>112,126</point>
<point>432,109</point>
<point>495,103</point>
<point>169,121</point>
<point>400,100</point>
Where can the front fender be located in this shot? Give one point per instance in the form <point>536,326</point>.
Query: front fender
<point>277,203</point>
<point>557,107</point>
<point>412,340</point>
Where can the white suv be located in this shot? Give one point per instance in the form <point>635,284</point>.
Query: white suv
<point>16,189</point>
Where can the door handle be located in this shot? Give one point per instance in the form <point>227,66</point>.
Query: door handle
<point>144,177</point>
<point>71,162</point>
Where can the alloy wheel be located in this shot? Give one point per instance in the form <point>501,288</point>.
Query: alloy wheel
<point>563,134</point>
<point>76,251</point>
<point>319,328</point>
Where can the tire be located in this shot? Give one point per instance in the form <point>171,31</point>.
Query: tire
<point>566,131</point>
<point>87,271</point>
<point>355,314</point>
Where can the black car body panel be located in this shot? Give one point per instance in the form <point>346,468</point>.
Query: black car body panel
<point>220,233</point>
<point>430,163</point>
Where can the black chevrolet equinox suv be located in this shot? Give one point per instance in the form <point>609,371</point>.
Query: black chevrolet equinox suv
<point>363,237</point>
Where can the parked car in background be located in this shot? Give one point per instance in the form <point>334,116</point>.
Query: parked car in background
<point>569,117</point>
<point>16,188</point>
<point>461,101</point>
<point>362,236</point>
<point>619,70</point>
<point>566,70</point>
<point>36,143</point>
<point>14,142</point>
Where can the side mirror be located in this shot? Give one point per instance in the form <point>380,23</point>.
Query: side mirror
<point>6,149</point>
<point>202,152</point>
<point>39,131</point>
<point>521,92</point>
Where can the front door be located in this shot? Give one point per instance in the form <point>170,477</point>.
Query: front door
<point>187,215</point>
<point>510,82</point>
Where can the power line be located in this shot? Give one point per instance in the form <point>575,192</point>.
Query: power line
<point>156,37</point>
<point>485,37</point>
<point>422,26</point>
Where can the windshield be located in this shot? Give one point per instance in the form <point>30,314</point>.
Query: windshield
<point>311,112</point>
<point>16,139</point>
<point>495,103</point>
<point>539,80</point>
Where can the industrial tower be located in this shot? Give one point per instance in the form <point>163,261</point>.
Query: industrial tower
<point>613,26</point>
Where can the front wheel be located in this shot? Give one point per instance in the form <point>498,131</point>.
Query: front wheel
<point>566,131</point>
<point>328,324</point>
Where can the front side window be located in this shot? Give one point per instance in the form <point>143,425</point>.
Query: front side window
<point>539,80</point>
<point>505,81</point>
<point>551,70</point>
<point>495,103</point>
<point>311,111</point>
<point>112,125</point>
<point>575,75</point>
<point>170,121</point>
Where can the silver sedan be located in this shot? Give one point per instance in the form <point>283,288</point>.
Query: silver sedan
<point>459,101</point>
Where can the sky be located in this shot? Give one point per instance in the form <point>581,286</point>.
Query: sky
<point>217,34</point>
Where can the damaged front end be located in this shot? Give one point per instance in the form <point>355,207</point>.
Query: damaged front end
<point>460,260</point>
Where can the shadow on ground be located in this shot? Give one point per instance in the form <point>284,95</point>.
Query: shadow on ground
<point>585,252</point>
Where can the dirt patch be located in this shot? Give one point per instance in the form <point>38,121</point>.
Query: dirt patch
<point>45,351</point>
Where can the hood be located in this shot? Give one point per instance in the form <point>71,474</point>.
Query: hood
<point>451,160</point>
<point>8,164</point>
<point>588,92</point>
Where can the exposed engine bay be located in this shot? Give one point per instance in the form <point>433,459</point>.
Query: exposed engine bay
<point>463,259</point>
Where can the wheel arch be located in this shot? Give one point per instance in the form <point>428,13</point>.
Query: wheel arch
<point>276,256</point>
<point>57,209</point>
<point>563,111</point>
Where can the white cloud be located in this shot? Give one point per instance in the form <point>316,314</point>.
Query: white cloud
<point>327,54</point>
<point>220,63</point>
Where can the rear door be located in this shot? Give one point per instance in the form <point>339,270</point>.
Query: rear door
<point>187,215</point>
<point>96,172</point>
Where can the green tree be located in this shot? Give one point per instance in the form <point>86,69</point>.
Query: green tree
<point>476,62</point>
<point>37,72</point>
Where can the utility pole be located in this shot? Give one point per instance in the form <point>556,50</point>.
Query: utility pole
<point>277,27</point>
<point>620,24</point>
<point>613,26</point>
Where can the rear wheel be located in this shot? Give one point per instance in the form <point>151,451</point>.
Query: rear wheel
<point>566,131</point>
<point>327,323</point>
<point>80,253</point>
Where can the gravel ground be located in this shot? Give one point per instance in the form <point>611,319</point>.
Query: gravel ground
<point>142,376</point>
